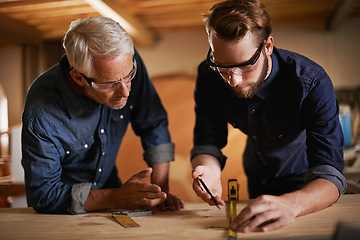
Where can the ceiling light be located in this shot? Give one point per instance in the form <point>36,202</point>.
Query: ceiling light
<point>107,11</point>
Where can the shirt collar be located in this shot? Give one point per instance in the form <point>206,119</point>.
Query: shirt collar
<point>75,104</point>
<point>265,89</point>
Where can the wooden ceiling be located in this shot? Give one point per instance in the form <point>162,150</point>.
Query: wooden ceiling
<point>33,21</point>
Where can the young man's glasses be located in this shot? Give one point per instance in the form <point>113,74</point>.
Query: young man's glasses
<point>225,71</point>
<point>114,85</point>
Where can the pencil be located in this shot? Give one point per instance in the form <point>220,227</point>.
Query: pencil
<point>208,191</point>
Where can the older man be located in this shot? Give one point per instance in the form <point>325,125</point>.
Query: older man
<point>74,120</point>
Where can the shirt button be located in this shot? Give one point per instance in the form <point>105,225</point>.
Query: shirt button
<point>281,136</point>
<point>86,146</point>
<point>102,130</point>
<point>100,169</point>
<point>121,116</point>
<point>103,153</point>
<point>67,152</point>
<point>254,138</point>
<point>252,111</point>
<point>94,183</point>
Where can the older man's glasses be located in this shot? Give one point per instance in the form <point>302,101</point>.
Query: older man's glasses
<point>239,69</point>
<point>114,85</point>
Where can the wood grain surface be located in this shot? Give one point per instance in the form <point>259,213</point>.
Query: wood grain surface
<point>196,221</point>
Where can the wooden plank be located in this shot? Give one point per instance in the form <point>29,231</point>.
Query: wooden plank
<point>16,32</point>
<point>141,34</point>
<point>196,221</point>
<point>174,7</point>
<point>12,189</point>
<point>58,12</point>
<point>21,6</point>
<point>303,9</point>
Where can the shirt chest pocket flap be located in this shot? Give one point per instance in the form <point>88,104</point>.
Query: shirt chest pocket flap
<point>77,147</point>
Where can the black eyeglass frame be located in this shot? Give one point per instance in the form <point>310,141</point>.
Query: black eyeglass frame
<point>89,80</point>
<point>251,61</point>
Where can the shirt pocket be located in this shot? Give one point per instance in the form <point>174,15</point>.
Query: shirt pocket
<point>279,136</point>
<point>75,151</point>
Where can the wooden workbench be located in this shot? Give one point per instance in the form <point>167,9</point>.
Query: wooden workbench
<point>196,221</point>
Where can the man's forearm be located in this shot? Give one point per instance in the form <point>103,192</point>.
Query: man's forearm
<point>315,196</point>
<point>208,161</point>
<point>99,199</point>
<point>160,175</point>
<point>133,194</point>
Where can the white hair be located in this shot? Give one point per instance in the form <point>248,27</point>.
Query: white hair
<point>95,37</point>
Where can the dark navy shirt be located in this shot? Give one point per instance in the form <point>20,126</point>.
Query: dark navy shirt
<point>68,139</point>
<point>292,123</point>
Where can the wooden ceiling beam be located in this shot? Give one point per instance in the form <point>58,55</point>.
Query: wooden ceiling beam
<point>20,6</point>
<point>342,9</point>
<point>16,32</point>
<point>175,7</point>
<point>56,12</point>
<point>140,34</point>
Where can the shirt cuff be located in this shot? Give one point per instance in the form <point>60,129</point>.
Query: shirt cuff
<point>79,194</point>
<point>159,154</point>
<point>329,173</point>
<point>211,150</point>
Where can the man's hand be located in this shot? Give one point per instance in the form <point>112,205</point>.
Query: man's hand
<point>211,180</point>
<point>269,212</point>
<point>160,177</point>
<point>133,194</point>
<point>172,203</point>
<point>273,212</point>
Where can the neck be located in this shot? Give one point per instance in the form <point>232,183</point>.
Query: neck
<point>269,66</point>
<point>78,90</point>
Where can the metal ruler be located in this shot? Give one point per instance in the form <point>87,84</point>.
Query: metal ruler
<point>233,195</point>
<point>125,217</point>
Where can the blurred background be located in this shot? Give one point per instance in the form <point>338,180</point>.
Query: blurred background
<point>172,41</point>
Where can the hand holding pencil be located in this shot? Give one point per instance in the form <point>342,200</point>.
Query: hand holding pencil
<point>207,186</point>
<point>208,191</point>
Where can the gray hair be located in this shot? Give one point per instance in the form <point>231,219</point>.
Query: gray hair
<point>95,37</point>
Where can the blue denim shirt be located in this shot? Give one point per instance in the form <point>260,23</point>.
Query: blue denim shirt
<point>292,123</point>
<point>70,143</point>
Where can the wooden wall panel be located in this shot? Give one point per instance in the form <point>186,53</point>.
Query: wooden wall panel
<point>176,93</point>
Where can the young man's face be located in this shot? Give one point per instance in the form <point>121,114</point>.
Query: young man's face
<point>244,81</point>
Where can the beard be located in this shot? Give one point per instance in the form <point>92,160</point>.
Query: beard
<point>254,87</point>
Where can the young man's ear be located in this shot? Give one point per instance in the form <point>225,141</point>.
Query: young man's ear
<point>77,78</point>
<point>269,45</point>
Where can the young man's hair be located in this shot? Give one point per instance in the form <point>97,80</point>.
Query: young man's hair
<point>232,19</point>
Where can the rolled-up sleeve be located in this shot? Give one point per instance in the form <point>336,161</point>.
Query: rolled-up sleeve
<point>149,118</point>
<point>329,173</point>
<point>159,154</point>
<point>40,160</point>
<point>324,134</point>
<point>211,129</point>
<point>211,150</point>
<point>79,194</point>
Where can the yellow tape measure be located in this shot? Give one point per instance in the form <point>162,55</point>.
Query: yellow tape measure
<point>125,217</point>
<point>125,221</point>
<point>233,195</point>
